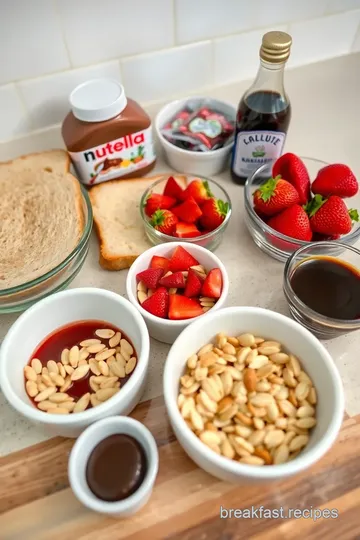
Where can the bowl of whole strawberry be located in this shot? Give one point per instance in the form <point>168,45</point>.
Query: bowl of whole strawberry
<point>305,200</point>
<point>196,210</point>
<point>174,283</point>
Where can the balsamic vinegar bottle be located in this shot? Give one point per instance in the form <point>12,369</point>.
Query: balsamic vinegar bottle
<point>264,112</point>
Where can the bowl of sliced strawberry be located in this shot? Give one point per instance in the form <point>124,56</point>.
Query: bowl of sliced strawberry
<point>174,283</point>
<point>195,210</point>
<point>301,200</point>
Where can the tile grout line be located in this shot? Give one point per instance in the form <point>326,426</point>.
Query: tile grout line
<point>62,31</point>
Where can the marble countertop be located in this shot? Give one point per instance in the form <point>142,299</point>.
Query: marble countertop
<point>324,124</point>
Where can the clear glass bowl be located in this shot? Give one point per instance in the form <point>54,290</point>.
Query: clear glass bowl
<point>210,240</point>
<point>277,245</point>
<point>23,296</point>
<point>320,325</point>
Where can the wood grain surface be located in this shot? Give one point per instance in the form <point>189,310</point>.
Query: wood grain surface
<point>36,502</point>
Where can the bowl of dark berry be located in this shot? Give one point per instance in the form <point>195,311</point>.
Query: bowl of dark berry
<point>301,200</point>
<point>83,356</point>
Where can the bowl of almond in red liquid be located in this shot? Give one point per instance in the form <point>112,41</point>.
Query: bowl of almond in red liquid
<point>83,356</point>
<point>322,288</point>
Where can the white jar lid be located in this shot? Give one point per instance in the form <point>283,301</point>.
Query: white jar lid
<point>98,100</point>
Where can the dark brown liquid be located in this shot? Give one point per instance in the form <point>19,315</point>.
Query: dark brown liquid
<point>116,468</point>
<point>329,287</point>
<point>261,111</point>
<point>65,338</point>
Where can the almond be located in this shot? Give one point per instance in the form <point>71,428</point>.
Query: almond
<point>250,379</point>
<point>80,372</point>
<point>105,333</point>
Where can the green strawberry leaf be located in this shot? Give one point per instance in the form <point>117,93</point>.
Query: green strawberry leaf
<point>354,214</point>
<point>207,187</point>
<point>223,207</point>
<point>157,218</point>
<point>267,189</point>
<point>313,206</point>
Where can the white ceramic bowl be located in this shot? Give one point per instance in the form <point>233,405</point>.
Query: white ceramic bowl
<point>200,163</point>
<point>163,329</point>
<point>32,327</point>
<point>315,360</point>
<point>80,454</point>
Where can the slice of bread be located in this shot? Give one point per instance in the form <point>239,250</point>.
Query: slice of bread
<point>116,207</point>
<point>41,216</point>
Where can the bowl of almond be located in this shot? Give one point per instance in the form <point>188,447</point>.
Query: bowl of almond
<point>252,396</point>
<point>84,356</point>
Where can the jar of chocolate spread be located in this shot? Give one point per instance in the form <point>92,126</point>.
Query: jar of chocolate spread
<point>107,134</point>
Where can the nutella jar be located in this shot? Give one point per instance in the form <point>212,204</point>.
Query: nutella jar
<point>106,134</point>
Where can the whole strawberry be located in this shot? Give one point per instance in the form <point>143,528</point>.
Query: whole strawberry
<point>214,212</point>
<point>275,195</point>
<point>199,190</point>
<point>164,221</point>
<point>293,222</point>
<point>293,169</point>
<point>336,179</point>
<point>330,216</point>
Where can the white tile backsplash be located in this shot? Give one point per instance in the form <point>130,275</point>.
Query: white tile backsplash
<point>101,30</point>
<point>31,42</point>
<point>232,62</point>
<point>157,48</point>
<point>14,121</point>
<point>322,38</point>
<point>47,98</point>
<point>169,73</point>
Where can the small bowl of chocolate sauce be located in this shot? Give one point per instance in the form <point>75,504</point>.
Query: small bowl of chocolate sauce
<point>113,466</point>
<point>323,288</point>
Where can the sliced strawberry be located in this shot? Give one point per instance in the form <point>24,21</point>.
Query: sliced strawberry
<point>186,230</point>
<point>199,191</point>
<point>156,201</point>
<point>189,211</point>
<point>214,212</point>
<point>212,285</point>
<point>160,262</point>
<point>181,260</point>
<point>181,307</point>
<point>150,277</point>
<point>193,284</point>
<point>172,189</point>
<point>158,303</point>
<point>175,280</point>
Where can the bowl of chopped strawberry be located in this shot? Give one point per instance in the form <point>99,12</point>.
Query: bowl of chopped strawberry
<point>195,210</point>
<point>174,283</point>
<point>301,200</point>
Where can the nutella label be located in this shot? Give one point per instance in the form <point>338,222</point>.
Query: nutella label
<point>114,159</point>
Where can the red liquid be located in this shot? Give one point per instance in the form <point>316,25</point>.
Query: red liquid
<point>65,338</point>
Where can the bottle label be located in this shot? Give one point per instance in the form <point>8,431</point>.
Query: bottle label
<point>115,158</point>
<point>255,148</point>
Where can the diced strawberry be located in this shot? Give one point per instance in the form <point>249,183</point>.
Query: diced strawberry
<point>160,262</point>
<point>186,230</point>
<point>181,260</point>
<point>181,307</point>
<point>164,221</point>
<point>156,201</point>
<point>175,280</point>
<point>150,277</point>
<point>199,190</point>
<point>214,212</point>
<point>158,303</point>
<point>193,284</point>
<point>189,211</point>
<point>172,189</point>
<point>212,285</point>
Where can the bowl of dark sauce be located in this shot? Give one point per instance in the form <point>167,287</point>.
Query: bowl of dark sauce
<point>322,288</point>
<point>113,466</point>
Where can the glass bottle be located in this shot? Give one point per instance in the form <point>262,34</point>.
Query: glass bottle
<point>264,111</point>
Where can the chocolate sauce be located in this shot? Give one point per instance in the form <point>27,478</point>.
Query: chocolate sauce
<point>329,286</point>
<point>116,468</point>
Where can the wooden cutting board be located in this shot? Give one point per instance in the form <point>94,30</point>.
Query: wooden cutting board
<point>36,502</point>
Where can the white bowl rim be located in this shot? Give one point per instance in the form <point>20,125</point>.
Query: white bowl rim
<point>201,155</point>
<point>188,246</point>
<point>302,461</point>
<point>94,502</point>
<point>90,415</point>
